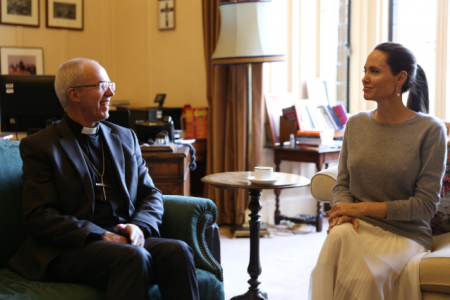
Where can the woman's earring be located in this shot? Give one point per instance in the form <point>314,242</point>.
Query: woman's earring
<point>398,93</point>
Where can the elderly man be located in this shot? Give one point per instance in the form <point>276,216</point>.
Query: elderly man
<point>91,209</point>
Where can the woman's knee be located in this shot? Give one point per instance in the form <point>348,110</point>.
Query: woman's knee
<point>341,232</point>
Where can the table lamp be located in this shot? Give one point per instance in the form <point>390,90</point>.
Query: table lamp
<point>248,35</point>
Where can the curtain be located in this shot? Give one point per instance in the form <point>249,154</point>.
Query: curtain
<point>227,120</point>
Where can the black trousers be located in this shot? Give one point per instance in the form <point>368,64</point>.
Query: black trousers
<point>126,271</point>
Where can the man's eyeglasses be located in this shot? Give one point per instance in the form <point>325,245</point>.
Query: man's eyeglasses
<point>102,85</point>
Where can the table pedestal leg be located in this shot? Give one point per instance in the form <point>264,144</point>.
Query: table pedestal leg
<point>254,267</point>
<point>277,214</point>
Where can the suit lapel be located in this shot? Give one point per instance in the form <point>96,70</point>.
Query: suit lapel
<point>70,145</point>
<point>114,145</point>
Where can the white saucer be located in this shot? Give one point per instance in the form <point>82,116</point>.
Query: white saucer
<point>253,180</point>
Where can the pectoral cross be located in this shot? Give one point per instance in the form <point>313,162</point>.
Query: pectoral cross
<point>103,185</point>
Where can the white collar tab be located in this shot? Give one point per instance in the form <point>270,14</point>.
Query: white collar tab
<point>89,130</point>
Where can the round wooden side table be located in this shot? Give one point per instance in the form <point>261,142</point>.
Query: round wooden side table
<point>239,180</point>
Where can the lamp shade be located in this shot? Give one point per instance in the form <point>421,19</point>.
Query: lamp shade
<point>248,34</point>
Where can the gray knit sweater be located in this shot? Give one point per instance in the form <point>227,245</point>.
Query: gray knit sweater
<point>399,164</point>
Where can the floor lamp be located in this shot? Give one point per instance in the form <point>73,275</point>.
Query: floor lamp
<point>248,35</point>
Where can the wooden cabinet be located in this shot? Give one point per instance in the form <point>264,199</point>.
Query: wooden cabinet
<point>170,170</point>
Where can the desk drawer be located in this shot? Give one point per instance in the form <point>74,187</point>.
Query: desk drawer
<point>167,169</point>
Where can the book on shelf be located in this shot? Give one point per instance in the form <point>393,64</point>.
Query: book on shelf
<point>331,116</point>
<point>341,113</point>
<point>289,113</point>
<point>335,117</point>
<point>328,120</point>
<point>311,117</point>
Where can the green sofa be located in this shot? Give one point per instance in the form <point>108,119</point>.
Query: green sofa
<point>185,218</point>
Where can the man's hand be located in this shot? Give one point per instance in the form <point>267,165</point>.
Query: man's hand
<point>112,237</point>
<point>134,233</point>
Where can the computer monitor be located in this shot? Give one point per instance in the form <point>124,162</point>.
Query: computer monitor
<point>120,117</point>
<point>28,102</point>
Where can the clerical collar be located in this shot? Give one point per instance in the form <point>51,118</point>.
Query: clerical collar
<point>89,130</point>
<point>78,128</point>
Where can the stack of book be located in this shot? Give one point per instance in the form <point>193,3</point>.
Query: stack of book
<point>314,140</point>
<point>314,120</point>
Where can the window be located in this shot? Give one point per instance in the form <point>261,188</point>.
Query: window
<point>317,45</point>
<point>343,58</point>
<point>418,35</point>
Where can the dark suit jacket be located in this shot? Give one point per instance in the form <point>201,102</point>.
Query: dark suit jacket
<point>58,196</point>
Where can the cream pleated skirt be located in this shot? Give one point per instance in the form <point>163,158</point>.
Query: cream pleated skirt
<point>371,264</point>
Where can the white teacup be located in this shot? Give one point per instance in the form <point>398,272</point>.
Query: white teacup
<point>263,173</point>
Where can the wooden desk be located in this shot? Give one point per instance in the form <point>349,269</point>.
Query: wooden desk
<point>170,170</point>
<point>319,158</point>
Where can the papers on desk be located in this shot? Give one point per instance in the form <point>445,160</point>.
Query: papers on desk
<point>188,141</point>
<point>158,147</point>
<point>6,136</point>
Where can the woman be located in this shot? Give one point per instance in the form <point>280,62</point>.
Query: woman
<point>390,171</point>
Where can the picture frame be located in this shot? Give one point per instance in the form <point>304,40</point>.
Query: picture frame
<point>24,12</point>
<point>166,14</point>
<point>21,61</point>
<point>65,14</point>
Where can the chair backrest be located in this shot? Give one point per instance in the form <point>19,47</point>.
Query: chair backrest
<point>322,185</point>
<point>11,222</point>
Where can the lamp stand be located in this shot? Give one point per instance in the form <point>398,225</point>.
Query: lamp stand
<point>249,119</point>
<point>245,229</point>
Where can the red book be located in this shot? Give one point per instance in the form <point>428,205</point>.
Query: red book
<point>341,113</point>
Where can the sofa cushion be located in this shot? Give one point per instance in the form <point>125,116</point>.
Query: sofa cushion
<point>10,200</point>
<point>13,286</point>
<point>440,223</point>
<point>435,266</point>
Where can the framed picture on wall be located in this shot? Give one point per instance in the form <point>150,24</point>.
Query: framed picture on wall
<point>67,14</point>
<point>21,61</point>
<point>166,14</point>
<point>19,12</point>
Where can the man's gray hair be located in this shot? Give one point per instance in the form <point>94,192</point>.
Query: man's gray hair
<point>70,73</point>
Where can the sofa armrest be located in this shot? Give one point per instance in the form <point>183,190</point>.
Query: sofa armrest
<point>322,184</point>
<point>186,219</point>
<point>434,272</point>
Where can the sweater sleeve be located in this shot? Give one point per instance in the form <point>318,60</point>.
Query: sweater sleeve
<point>341,189</point>
<point>423,204</point>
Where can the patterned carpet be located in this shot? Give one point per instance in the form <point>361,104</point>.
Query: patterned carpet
<point>286,260</point>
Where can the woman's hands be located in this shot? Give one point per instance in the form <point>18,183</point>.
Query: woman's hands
<point>343,219</point>
<point>356,210</point>
<point>349,212</point>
